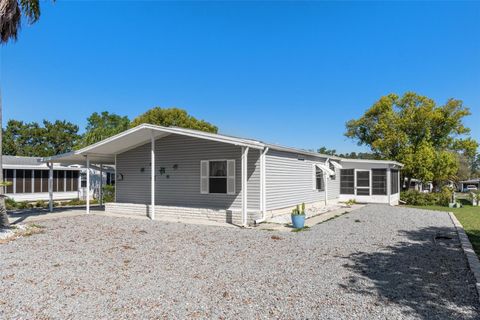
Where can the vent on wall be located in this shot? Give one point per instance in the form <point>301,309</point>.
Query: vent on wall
<point>300,157</point>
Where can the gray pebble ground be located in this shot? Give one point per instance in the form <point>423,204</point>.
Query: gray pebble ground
<point>375,263</point>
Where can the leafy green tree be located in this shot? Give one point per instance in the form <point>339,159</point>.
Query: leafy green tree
<point>173,117</point>
<point>324,150</point>
<point>103,125</point>
<point>33,140</point>
<point>414,130</point>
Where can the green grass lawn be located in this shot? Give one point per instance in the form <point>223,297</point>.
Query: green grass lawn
<point>468,216</point>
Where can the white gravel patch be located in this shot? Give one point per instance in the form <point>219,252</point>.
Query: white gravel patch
<point>377,262</point>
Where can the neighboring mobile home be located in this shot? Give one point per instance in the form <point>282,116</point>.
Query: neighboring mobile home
<point>28,178</point>
<point>188,173</point>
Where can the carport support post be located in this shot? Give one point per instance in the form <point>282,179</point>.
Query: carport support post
<point>88,184</point>
<point>50,186</point>
<point>152,206</point>
<point>244,185</point>
<point>100,192</point>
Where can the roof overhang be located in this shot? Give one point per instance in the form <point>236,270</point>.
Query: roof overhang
<point>104,152</point>
<point>394,164</point>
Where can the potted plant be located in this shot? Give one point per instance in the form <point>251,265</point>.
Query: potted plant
<point>298,216</point>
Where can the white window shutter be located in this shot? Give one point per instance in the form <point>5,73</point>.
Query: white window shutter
<point>314,177</point>
<point>204,176</point>
<point>230,176</point>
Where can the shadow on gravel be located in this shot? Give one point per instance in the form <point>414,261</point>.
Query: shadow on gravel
<point>427,274</point>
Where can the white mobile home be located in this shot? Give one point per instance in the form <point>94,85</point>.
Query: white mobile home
<point>29,177</point>
<point>189,173</point>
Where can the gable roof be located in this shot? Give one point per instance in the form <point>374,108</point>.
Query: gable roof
<point>103,152</point>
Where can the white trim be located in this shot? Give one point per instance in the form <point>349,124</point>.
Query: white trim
<point>244,185</point>
<point>373,161</point>
<point>50,186</point>
<point>115,195</point>
<point>335,164</point>
<point>88,185</point>
<point>369,182</point>
<point>152,176</point>
<point>207,177</point>
<point>263,182</point>
<point>325,169</point>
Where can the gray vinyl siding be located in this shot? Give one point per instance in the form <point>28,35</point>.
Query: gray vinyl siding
<point>181,187</point>
<point>289,181</point>
<point>334,186</point>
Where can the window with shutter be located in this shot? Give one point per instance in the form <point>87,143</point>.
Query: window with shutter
<point>217,176</point>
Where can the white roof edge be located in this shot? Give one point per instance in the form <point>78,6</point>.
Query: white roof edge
<point>209,136</point>
<point>373,161</point>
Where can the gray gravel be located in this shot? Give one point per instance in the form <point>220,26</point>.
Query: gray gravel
<point>375,263</point>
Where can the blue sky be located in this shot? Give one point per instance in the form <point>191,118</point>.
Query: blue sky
<point>285,72</point>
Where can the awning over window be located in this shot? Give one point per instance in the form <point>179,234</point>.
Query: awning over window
<point>336,164</point>
<point>325,169</point>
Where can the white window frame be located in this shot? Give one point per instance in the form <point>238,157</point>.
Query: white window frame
<point>207,177</point>
<point>369,182</point>
<point>324,178</point>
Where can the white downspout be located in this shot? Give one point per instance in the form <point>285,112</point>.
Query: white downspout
<point>263,186</point>
<point>101,185</point>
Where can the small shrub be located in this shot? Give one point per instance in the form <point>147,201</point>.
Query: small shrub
<point>10,204</point>
<point>108,193</point>
<point>41,204</point>
<point>417,198</point>
<point>351,202</point>
<point>22,205</point>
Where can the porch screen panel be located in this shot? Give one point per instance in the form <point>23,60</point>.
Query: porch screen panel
<point>44,180</point>
<point>379,182</point>
<point>19,181</point>
<point>363,183</point>
<point>55,180</point>
<point>75,175</point>
<point>347,185</point>
<point>68,186</point>
<point>9,177</point>
<point>37,181</point>
<point>394,181</point>
<point>28,181</point>
<point>61,181</point>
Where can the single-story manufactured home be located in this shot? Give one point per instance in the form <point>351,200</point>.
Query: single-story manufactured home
<point>29,177</point>
<point>174,171</point>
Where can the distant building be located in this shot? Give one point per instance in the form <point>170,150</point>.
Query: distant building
<point>29,179</point>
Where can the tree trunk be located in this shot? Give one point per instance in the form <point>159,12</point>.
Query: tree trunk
<point>4,223</point>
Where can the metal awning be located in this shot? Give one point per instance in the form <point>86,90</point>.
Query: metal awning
<point>336,164</point>
<point>325,169</point>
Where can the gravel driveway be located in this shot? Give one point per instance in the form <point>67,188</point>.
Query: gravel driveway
<point>377,262</point>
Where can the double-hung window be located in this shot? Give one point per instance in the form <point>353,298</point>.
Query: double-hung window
<point>217,176</point>
<point>319,180</point>
<point>363,182</point>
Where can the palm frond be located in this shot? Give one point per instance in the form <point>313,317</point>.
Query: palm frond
<point>10,17</point>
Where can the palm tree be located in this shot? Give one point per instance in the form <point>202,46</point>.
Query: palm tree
<point>10,21</point>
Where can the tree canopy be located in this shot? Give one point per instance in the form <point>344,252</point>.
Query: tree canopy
<point>170,117</point>
<point>414,130</point>
<point>11,12</point>
<point>103,125</point>
<point>31,139</point>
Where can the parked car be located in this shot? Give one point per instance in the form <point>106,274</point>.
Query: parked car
<point>470,187</point>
